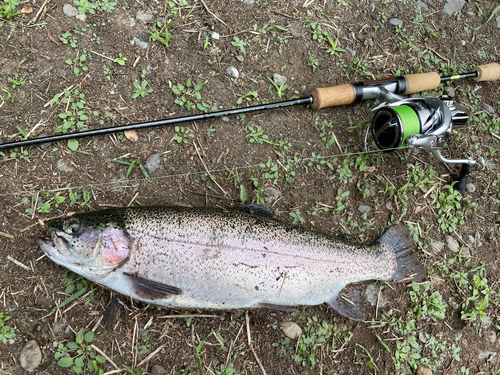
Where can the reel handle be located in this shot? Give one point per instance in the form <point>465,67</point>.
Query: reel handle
<point>464,176</point>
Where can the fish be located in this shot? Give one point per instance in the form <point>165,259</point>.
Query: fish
<point>182,257</point>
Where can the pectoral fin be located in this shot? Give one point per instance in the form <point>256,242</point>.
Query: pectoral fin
<point>349,303</point>
<point>256,209</point>
<point>150,289</point>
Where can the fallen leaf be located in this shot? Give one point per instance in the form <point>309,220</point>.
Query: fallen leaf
<point>131,135</point>
<point>369,170</point>
<point>27,9</point>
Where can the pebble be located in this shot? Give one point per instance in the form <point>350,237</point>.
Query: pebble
<point>31,356</point>
<point>421,337</point>
<point>351,51</point>
<point>81,17</point>
<point>372,7</point>
<point>57,328</point>
<point>143,17</point>
<point>471,188</point>
<point>279,79</point>
<point>363,208</point>
<point>225,118</point>
<point>372,295</point>
<point>69,10</point>
<point>248,2</point>
<point>46,144</point>
<point>64,166</point>
<point>240,58</point>
<point>465,253</point>
<point>437,247</point>
<point>139,42</point>
<point>422,5</point>
<point>486,321</point>
<point>271,193</point>
<point>291,330</point>
<point>492,337</point>
<point>395,22</point>
<point>486,355</point>
<point>489,108</point>
<point>158,370</point>
<point>233,72</point>
<point>478,241</point>
<point>153,163</point>
<point>450,91</point>
<point>423,370</point>
<point>453,6</point>
<point>498,21</point>
<point>452,244</point>
<point>388,205</point>
<point>296,29</point>
<point>215,36</point>
<point>490,165</point>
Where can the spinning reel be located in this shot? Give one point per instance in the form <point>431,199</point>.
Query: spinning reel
<point>419,123</point>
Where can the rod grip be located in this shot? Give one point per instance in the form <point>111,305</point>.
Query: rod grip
<point>332,96</point>
<point>488,72</point>
<point>464,177</point>
<point>420,82</point>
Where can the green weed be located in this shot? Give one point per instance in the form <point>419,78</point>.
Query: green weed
<point>107,6</point>
<point>239,44</point>
<point>141,89</point>
<point>313,63</point>
<point>426,305</point>
<point>17,81</point>
<point>297,217</point>
<point>78,64</point>
<point>190,92</point>
<point>69,38</point>
<point>280,89</point>
<point>75,115</point>
<point>8,8</point>
<point>142,345</point>
<point>5,331</point>
<point>183,135</point>
<point>120,60</point>
<point>79,355</point>
<point>85,6</point>
<point>161,32</point>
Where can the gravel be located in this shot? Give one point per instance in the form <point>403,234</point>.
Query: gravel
<point>65,166</point>
<point>143,17</point>
<point>31,356</point>
<point>395,22</point>
<point>139,42</point>
<point>453,6</point>
<point>279,79</point>
<point>291,330</point>
<point>489,108</point>
<point>452,244</point>
<point>363,208</point>
<point>153,163</point>
<point>422,5</point>
<point>215,36</point>
<point>233,72</point>
<point>69,10</point>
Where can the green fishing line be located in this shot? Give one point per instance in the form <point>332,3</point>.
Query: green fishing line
<point>409,119</point>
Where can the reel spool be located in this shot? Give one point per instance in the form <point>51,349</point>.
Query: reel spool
<point>420,123</point>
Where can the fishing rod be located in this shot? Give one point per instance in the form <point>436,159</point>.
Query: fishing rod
<point>419,123</point>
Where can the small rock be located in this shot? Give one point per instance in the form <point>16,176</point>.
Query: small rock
<point>143,17</point>
<point>489,108</point>
<point>490,165</point>
<point>363,208</point>
<point>372,295</point>
<point>450,91</point>
<point>291,330</point>
<point>225,118</point>
<point>153,163</point>
<point>351,51</point>
<point>422,5</point>
<point>372,7</point>
<point>492,337</point>
<point>465,253</point>
<point>278,79</point>
<point>248,2</point>
<point>158,370</point>
<point>472,240</point>
<point>395,22</point>
<point>233,72</point>
<point>240,58</point>
<point>471,188</point>
<point>69,10</point>
<point>46,144</point>
<point>81,17</point>
<point>64,166</point>
<point>478,240</point>
<point>31,356</point>
<point>272,193</point>
<point>57,328</point>
<point>139,42</point>
<point>453,6</point>
<point>296,29</point>
<point>486,355</point>
<point>423,370</point>
<point>498,21</point>
<point>421,337</point>
<point>437,247</point>
<point>388,205</point>
<point>215,36</point>
<point>486,321</point>
<point>452,244</point>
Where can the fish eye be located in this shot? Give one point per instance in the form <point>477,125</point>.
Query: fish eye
<point>72,226</point>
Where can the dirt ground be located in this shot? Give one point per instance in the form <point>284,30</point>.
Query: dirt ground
<point>310,167</point>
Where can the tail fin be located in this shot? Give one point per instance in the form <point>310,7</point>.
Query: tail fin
<point>409,266</point>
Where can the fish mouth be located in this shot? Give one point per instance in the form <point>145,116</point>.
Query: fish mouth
<point>55,247</point>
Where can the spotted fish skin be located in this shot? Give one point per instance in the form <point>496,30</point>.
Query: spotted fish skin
<point>204,258</point>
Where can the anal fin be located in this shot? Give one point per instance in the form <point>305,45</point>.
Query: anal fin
<point>349,302</point>
<point>151,289</point>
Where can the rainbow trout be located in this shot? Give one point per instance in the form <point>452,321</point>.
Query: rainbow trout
<point>205,258</point>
